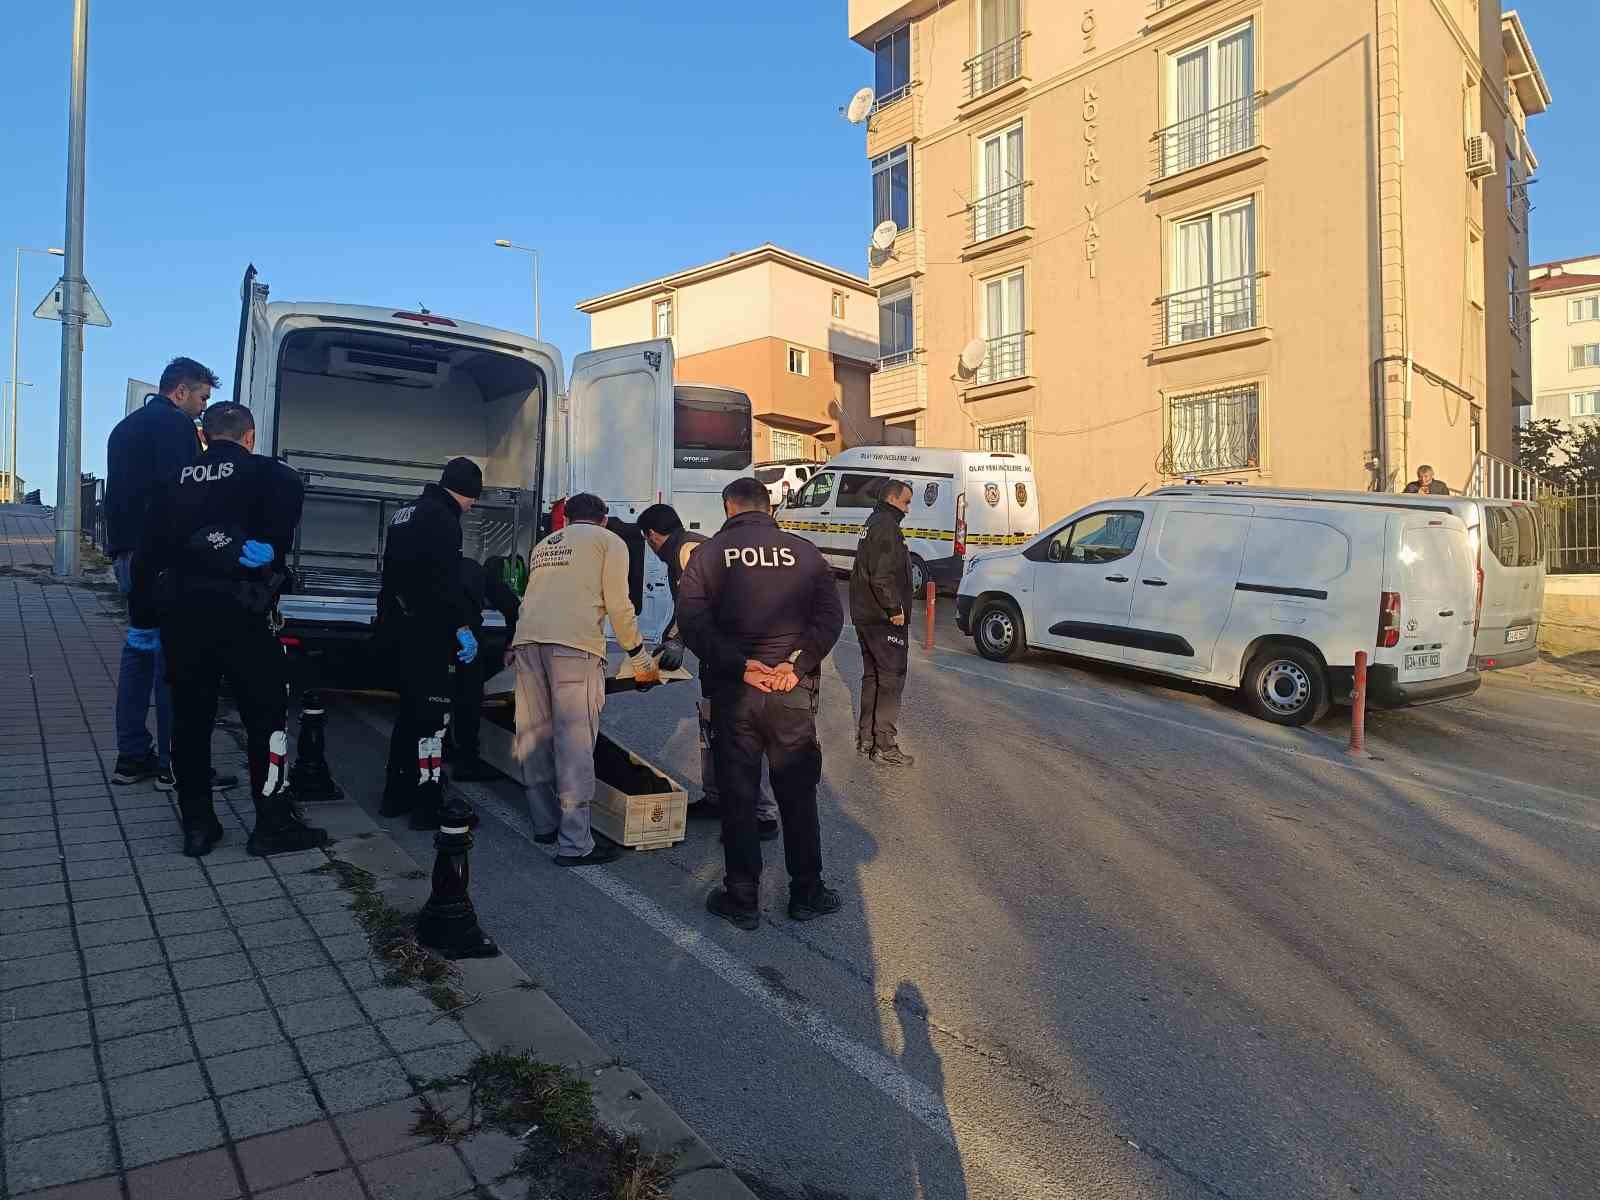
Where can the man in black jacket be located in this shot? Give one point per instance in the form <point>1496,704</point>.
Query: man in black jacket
<point>209,568</point>
<point>880,600</point>
<point>760,609</point>
<point>146,450</point>
<point>424,628</point>
<point>484,585</point>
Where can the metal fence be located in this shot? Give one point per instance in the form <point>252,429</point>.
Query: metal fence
<point>994,67</point>
<point>1571,514</point>
<point>1213,431</point>
<point>1210,311</point>
<point>1205,137</point>
<point>1007,358</point>
<point>998,212</point>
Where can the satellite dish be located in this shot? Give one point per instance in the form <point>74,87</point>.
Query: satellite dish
<point>860,106</point>
<point>884,235</point>
<point>972,356</point>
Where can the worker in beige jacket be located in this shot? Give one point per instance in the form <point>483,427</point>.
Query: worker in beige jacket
<point>578,577</point>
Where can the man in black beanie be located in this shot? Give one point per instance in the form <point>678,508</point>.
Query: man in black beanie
<point>424,629</point>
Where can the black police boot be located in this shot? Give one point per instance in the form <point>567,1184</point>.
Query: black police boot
<point>818,900</point>
<point>894,757</point>
<point>197,843</point>
<point>738,907</point>
<point>469,768</point>
<point>280,829</point>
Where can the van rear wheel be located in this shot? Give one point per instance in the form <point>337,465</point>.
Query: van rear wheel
<point>1286,685</point>
<point>997,631</point>
<point>919,578</point>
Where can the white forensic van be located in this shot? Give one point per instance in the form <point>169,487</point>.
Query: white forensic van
<point>367,404</point>
<point>1269,594</point>
<point>960,499</point>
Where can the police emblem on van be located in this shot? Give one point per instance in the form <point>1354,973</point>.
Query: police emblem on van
<point>991,495</point>
<point>1022,495</point>
<point>930,494</point>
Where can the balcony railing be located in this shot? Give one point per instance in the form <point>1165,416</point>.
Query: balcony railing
<point>1230,306</point>
<point>900,358</point>
<point>994,67</point>
<point>1213,431</point>
<point>1206,137</point>
<point>890,99</point>
<point>1007,359</point>
<point>997,213</point>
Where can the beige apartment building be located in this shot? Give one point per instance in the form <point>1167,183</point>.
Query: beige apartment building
<point>1255,240</point>
<point>1565,302</point>
<point>800,337</point>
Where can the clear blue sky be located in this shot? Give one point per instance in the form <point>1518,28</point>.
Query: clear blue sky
<point>372,159</point>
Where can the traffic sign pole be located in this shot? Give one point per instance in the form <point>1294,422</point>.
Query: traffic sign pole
<point>69,460</point>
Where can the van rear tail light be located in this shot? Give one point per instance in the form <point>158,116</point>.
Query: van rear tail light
<point>425,318</point>
<point>289,641</point>
<point>558,514</point>
<point>961,524</point>
<point>1389,619</point>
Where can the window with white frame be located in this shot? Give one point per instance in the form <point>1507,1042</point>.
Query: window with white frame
<point>1583,308</point>
<point>892,66</point>
<point>1585,356</point>
<point>1211,108</point>
<point>1213,289</point>
<point>897,336</point>
<point>891,188</point>
<point>1217,430</point>
<point>663,318</point>
<point>838,306</point>
<point>799,361</point>
<point>1004,328</point>
<point>1586,404</point>
<point>1010,438</point>
<point>998,208</point>
<point>999,57</point>
<point>787,445</point>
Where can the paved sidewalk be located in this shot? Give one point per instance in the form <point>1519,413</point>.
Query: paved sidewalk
<point>173,1028</point>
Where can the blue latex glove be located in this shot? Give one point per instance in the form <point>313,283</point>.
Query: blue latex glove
<point>146,640</point>
<point>257,554</point>
<point>469,646</point>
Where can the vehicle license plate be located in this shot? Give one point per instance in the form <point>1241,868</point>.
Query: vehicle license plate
<point>1519,635</point>
<point>1422,662</point>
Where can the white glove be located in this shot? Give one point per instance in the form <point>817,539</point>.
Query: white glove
<point>645,671</point>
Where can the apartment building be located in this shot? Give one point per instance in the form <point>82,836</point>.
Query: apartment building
<point>1250,240</point>
<point>1564,298</point>
<point>799,336</point>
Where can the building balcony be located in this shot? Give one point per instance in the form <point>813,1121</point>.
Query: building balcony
<point>1005,360</point>
<point>993,74</point>
<point>1219,133</point>
<point>907,257</point>
<point>996,214</point>
<point>1213,432</point>
<point>1232,306</point>
<point>899,386</point>
<point>895,120</point>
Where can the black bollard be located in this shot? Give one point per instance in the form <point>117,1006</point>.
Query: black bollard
<point>309,778</point>
<point>448,923</point>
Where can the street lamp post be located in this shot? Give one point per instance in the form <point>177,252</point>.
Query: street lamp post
<point>69,457</point>
<point>16,329</point>
<point>538,334</point>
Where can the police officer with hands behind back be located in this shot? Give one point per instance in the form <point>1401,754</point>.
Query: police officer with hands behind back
<point>209,570</point>
<point>425,620</point>
<point>759,608</point>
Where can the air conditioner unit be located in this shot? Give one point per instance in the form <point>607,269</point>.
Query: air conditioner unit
<point>1480,156</point>
<point>406,370</point>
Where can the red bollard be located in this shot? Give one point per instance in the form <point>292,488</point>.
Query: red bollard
<point>1358,708</point>
<point>927,627</point>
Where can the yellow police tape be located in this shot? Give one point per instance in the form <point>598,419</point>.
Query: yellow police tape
<point>930,535</point>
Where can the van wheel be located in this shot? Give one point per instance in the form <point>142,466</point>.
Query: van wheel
<point>998,632</point>
<point>919,578</point>
<point>1286,685</point>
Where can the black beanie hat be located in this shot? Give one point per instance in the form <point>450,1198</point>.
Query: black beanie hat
<point>462,476</point>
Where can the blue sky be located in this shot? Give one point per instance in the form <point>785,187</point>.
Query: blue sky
<point>372,159</point>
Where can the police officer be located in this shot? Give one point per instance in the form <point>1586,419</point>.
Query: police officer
<point>484,584</point>
<point>209,567</point>
<point>759,608</point>
<point>880,599</point>
<point>674,545</point>
<point>425,623</point>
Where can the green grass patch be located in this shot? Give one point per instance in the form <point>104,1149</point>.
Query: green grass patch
<point>392,935</point>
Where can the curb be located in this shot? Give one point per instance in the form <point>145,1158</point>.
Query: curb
<point>516,1017</point>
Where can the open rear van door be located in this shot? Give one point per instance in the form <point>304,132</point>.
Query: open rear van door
<point>1437,583</point>
<point>253,357</point>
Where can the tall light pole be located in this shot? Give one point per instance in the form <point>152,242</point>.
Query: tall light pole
<point>16,315</point>
<point>538,334</point>
<point>69,460</point>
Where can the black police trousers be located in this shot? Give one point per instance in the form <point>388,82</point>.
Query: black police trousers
<point>421,660</point>
<point>883,680</point>
<point>203,647</point>
<point>782,728</point>
<point>466,712</point>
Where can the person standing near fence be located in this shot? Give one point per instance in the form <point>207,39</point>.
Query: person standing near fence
<point>880,604</point>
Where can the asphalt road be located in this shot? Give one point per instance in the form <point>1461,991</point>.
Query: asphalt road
<point>1110,937</point>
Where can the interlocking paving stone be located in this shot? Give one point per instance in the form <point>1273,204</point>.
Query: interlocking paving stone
<point>209,1175</point>
<point>123,986</point>
<point>32,895</point>
<point>221,873</point>
<point>60,1158</point>
<point>82,852</point>
<point>150,1091</point>
<point>332,924</point>
<point>41,839</point>
<point>200,920</point>
<point>100,868</point>
<point>361,974</point>
<point>419,1032</point>
<point>106,933</point>
<point>295,956</point>
<point>256,911</point>
<point>426,1173</point>
<point>42,1072</point>
<point>386,1129</point>
<point>170,1132</point>
<point>107,1187</point>
<point>208,972</point>
<point>320,1015</point>
<point>490,1155</point>
<point>363,1085</point>
<point>168,880</point>
<point>32,856</point>
<point>341,1185</point>
<point>145,1052</point>
<point>140,1016</point>
<point>38,1035</point>
<point>244,1069</point>
<point>187,900</point>
<point>100,889</point>
<point>29,876</point>
<point>115,908</point>
<point>437,1062</point>
<point>291,1154</point>
<point>321,902</point>
<point>308,884</point>
<point>242,1032</point>
<point>33,944</point>
<point>268,1109</point>
<point>346,946</point>
<point>62,995</point>
<point>341,1048</point>
<point>381,1003</point>
<point>101,960</point>
<point>275,933</point>
<point>51,1112</point>
<point>250,889</point>
<point>296,986</point>
<point>229,999</point>
<point>200,945</point>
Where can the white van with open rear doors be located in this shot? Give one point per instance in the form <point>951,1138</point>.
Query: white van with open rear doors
<point>960,500</point>
<point>1272,595</point>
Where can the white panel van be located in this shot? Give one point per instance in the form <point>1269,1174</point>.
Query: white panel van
<point>1269,595</point>
<point>960,499</point>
